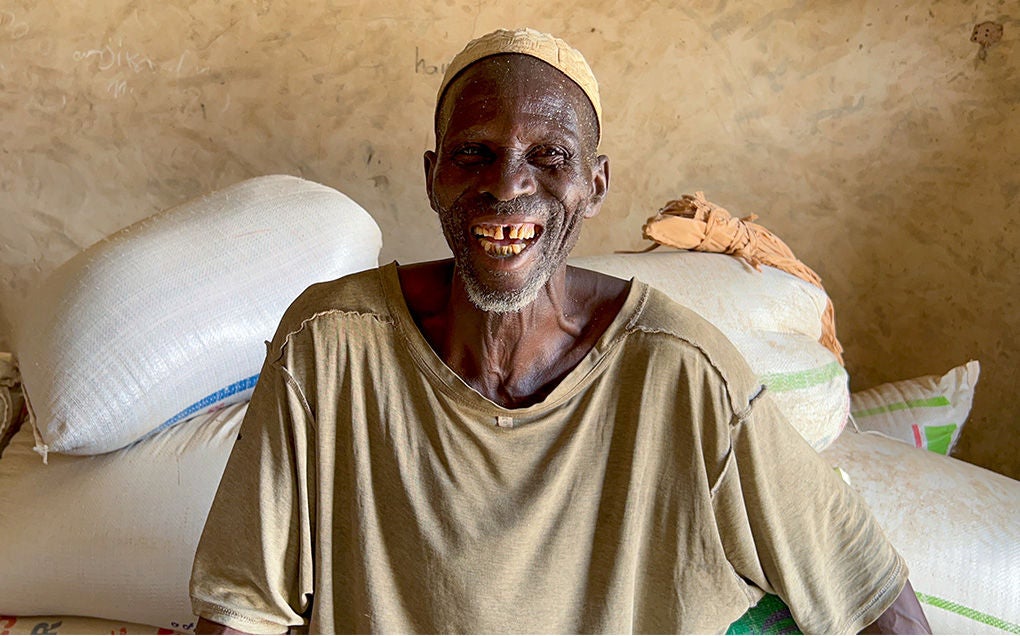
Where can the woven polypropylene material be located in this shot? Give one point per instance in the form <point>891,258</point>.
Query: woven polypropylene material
<point>111,536</point>
<point>926,412</point>
<point>163,314</point>
<point>773,318</point>
<point>956,525</point>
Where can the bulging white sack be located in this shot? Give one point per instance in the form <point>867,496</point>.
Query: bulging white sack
<point>114,535</point>
<point>957,526</point>
<point>926,412</point>
<point>773,318</point>
<point>167,318</point>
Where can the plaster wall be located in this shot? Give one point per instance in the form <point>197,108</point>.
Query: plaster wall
<point>870,135</point>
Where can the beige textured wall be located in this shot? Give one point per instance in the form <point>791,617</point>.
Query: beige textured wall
<point>868,134</point>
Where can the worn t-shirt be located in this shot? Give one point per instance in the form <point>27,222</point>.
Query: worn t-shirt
<point>655,489</point>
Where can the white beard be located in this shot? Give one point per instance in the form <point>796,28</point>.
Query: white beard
<point>457,232</point>
<point>502,301</point>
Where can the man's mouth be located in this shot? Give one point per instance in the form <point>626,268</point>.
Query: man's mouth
<point>505,240</point>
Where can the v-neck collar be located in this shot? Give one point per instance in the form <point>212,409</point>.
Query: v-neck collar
<point>447,380</point>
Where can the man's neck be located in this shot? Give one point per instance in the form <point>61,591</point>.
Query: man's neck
<point>516,358</point>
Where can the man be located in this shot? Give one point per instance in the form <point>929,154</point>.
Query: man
<point>503,443</point>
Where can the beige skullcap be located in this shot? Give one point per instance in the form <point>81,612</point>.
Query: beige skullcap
<point>543,46</point>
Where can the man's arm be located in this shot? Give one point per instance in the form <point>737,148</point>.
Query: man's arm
<point>904,616</point>
<point>252,566</point>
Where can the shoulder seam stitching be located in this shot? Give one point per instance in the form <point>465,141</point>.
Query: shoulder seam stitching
<point>320,314</point>
<point>735,420</point>
<point>294,386</point>
<point>707,357</point>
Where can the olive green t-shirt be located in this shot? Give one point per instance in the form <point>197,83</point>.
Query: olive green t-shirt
<point>656,489</point>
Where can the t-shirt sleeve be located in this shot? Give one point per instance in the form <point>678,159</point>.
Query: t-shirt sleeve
<point>253,567</point>
<point>791,526</point>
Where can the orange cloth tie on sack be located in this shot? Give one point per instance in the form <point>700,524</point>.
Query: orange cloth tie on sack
<point>694,223</point>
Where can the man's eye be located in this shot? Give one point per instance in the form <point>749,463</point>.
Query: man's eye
<point>548,156</point>
<point>470,155</point>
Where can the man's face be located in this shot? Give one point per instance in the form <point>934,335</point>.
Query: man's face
<point>513,176</point>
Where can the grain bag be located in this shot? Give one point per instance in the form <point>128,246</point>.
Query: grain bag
<point>773,318</point>
<point>956,525</point>
<point>167,318</point>
<point>114,535</point>
<point>926,412</point>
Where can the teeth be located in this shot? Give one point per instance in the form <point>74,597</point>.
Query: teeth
<point>488,235</point>
<point>501,250</point>
<point>499,232</point>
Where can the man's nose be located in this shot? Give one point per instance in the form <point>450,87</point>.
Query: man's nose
<point>509,177</point>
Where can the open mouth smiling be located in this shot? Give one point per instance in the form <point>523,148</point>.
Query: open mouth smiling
<point>505,240</point>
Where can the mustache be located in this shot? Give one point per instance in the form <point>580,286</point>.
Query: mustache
<point>486,204</point>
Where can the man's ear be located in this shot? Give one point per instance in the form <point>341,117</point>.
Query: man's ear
<point>430,166</point>
<point>600,186</point>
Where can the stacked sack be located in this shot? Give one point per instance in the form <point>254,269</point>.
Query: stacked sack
<point>773,318</point>
<point>166,319</point>
<point>957,525</point>
<point>131,354</point>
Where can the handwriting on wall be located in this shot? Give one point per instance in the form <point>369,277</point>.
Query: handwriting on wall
<point>423,66</point>
<point>122,63</point>
<point>108,58</point>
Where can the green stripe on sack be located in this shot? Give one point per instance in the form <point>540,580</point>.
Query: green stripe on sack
<point>779,382</point>
<point>939,400</point>
<point>937,438</point>
<point>972,614</point>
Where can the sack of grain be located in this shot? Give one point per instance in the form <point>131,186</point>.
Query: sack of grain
<point>957,526</point>
<point>773,318</point>
<point>167,318</point>
<point>114,535</point>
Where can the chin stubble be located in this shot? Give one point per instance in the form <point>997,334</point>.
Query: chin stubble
<point>456,228</point>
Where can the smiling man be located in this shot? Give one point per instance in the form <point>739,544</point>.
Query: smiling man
<point>502,443</point>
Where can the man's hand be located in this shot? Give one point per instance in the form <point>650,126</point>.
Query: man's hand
<point>904,616</point>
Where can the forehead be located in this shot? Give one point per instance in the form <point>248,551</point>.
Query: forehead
<point>506,86</point>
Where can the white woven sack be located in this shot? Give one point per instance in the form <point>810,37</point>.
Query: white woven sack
<point>957,526</point>
<point>926,412</point>
<point>167,318</point>
<point>111,536</point>
<point>773,318</point>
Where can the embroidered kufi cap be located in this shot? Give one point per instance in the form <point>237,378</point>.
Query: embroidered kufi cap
<point>549,49</point>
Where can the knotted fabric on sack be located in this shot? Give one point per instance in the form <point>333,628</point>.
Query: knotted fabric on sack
<point>694,223</point>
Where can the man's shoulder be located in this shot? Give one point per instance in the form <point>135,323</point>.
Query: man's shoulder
<point>661,314</point>
<point>694,340</point>
<point>361,292</point>
<point>354,296</point>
